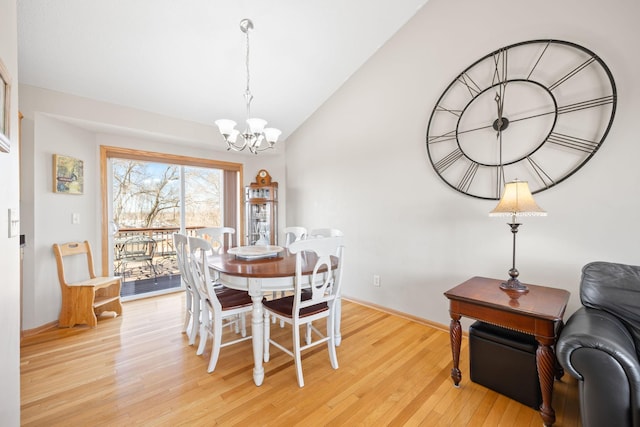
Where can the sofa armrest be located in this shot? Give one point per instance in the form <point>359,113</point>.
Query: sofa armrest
<point>597,349</point>
<point>597,329</point>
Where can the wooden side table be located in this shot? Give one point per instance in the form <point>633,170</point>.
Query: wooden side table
<point>538,312</point>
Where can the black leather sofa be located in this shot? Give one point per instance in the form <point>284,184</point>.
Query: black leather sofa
<point>600,345</point>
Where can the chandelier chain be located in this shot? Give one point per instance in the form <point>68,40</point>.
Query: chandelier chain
<point>248,94</point>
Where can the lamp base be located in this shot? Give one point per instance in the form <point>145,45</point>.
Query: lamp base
<point>514,288</point>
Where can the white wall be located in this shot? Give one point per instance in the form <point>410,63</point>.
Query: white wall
<point>360,162</point>
<point>41,294</point>
<point>9,246</point>
<point>56,123</point>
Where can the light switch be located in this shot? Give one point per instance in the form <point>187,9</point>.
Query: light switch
<point>14,222</point>
<point>75,218</point>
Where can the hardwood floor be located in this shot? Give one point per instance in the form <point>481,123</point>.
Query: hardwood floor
<point>139,370</point>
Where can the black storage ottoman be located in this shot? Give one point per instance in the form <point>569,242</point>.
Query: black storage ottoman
<point>505,361</point>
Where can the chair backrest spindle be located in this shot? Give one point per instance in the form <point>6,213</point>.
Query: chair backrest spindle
<point>293,234</point>
<point>325,283</point>
<point>220,238</point>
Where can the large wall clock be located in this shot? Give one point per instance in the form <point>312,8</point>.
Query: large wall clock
<point>536,111</point>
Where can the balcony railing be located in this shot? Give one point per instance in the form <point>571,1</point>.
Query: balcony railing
<point>146,253</point>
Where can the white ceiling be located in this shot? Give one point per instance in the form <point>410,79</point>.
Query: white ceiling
<point>185,59</point>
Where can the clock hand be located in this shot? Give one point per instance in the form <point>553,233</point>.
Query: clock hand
<point>498,100</point>
<point>460,132</point>
<point>534,116</point>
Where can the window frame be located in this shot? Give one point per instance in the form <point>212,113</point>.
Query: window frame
<point>107,152</point>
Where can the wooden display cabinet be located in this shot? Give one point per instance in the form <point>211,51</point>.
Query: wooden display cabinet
<point>261,210</point>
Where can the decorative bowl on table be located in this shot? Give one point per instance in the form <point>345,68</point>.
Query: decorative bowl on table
<point>255,252</point>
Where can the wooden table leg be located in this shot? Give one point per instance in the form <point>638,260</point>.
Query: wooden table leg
<point>545,360</point>
<point>455,334</point>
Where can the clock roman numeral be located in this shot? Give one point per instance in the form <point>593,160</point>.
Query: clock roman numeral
<point>500,63</point>
<point>542,175</point>
<point>442,109</point>
<point>448,136</point>
<point>570,108</point>
<point>538,60</point>
<point>572,73</point>
<point>500,77</point>
<point>448,160</point>
<point>573,142</point>
<point>467,178</point>
<point>583,105</point>
<point>472,86</point>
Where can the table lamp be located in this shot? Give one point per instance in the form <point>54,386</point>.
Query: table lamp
<point>516,201</point>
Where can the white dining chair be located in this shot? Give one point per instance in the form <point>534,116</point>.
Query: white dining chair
<point>293,234</point>
<point>220,306</point>
<point>192,297</point>
<point>329,232</point>
<point>221,238</point>
<point>317,302</point>
<point>325,232</point>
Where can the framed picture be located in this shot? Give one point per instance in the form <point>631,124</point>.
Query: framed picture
<point>68,175</point>
<point>5,99</point>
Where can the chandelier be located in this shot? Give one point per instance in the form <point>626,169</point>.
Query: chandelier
<point>255,136</point>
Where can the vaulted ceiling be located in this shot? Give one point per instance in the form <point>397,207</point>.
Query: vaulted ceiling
<point>186,59</point>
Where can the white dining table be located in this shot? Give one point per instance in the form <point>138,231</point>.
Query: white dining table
<point>259,277</point>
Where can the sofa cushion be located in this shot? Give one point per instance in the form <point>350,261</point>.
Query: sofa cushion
<point>614,288</point>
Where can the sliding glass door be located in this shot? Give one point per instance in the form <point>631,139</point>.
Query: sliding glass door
<point>153,196</point>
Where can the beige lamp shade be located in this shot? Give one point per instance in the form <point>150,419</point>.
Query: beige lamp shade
<point>517,200</point>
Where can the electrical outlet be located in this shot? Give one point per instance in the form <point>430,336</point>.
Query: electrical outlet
<point>376,280</point>
<point>75,218</point>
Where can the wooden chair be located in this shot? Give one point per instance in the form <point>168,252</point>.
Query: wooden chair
<point>218,304</point>
<point>302,308</point>
<point>83,299</point>
<point>192,297</point>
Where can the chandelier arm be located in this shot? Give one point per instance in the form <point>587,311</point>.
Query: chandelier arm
<point>235,147</point>
<point>264,146</point>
